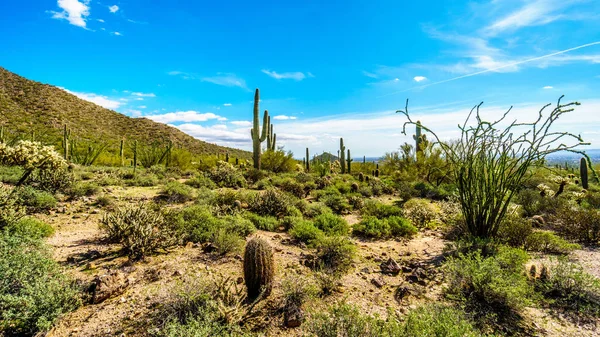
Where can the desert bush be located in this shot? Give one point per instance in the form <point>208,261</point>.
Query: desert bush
<point>267,223</point>
<point>335,201</point>
<point>226,175</point>
<point>372,227</point>
<point>36,201</point>
<point>278,161</point>
<point>293,187</point>
<point>139,229</point>
<point>514,230</point>
<point>29,227</point>
<point>226,242</point>
<point>177,192</point>
<point>271,202</point>
<point>82,189</point>
<point>105,201</point>
<point>380,210</point>
<point>567,286</point>
<point>200,180</point>
<point>534,204</point>
<point>578,224</point>
<point>490,162</point>
<point>10,174</point>
<point>401,227</point>
<point>421,212</point>
<point>33,291</point>
<point>306,231</point>
<point>10,210</point>
<point>31,157</point>
<point>315,209</point>
<point>493,287</point>
<point>196,223</point>
<point>335,254</point>
<point>53,181</point>
<point>548,242</point>
<point>438,320</point>
<point>332,224</point>
<point>143,180</point>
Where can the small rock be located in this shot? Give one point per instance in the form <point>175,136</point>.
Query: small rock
<point>406,269</point>
<point>538,221</point>
<point>177,273</point>
<point>390,267</point>
<point>378,282</point>
<point>108,285</point>
<point>277,236</point>
<point>365,270</point>
<point>277,249</point>
<point>238,257</point>
<point>377,259</point>
<point>293,316</point>
<point>209,248</point>
<point>94,211</point>
<point>401,293</point>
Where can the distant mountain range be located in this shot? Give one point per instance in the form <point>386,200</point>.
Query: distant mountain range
<point>28,107</point>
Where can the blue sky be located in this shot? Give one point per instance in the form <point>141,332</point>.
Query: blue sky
<point>326,69</point>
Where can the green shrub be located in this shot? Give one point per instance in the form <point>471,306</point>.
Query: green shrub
<point>372,227</point>
<point>278,161</point>
<point>271,202</point>
<point>146,180</point>
<point>438,320</point>
<point>200,180</point>
<point>82,189</point>
<point>332,224</point>
<point>380,210</point>
<point>401,227</point>
<point>305,231</point>
<point>10,174</point>
<point>567,286</point>
<point>548,242</point>
<point>177,192</point>
<point>30,227</point>
<point>58,180</point>
<point>196,223</point>
<point>293,187</point>
<point>139,229</point>
<point>266,223</point>
<point>33,291</point>
<point>493,286</point>
<point>315,209</point>
<point>578,224</point>
<point>337,203</point>
<point>514,230</point>
<point>226,175</point>
<point>10,210</point>
<point>420,212</point>
<point>105,201</point>
<point>335,254</point>
<point>35,200</point>
<point>227,242</point>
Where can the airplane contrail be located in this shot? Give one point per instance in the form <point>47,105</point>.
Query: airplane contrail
<point>497,68</point>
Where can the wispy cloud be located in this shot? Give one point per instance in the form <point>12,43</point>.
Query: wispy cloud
<point>419,78</point>
<point>369,74</point>
<point>548,87</point>
<point>113,8</point>
<point>298,76</point>
<point>227,80</point>
<point>227,104</point>
<point>141,94</point>
<point>100,100</point>
<point>185,116</point>
<point>117,34</point>
<point>242,123</point>
<point>533,13</point>
<point>74,11</point>
<point>100,20</point>
<point>284,117</point>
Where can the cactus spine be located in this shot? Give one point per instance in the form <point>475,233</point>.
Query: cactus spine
<point>259,268</point>
<point>349,161</point>
<point>342,155</point>
<point>257,136</point>
<point>583,171</point>
<point>122,151</point>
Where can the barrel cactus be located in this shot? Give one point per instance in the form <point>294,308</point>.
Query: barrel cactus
<point>259,268</point>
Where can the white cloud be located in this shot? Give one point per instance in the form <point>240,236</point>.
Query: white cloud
<point>100,20</point>
<point>548,87</point>
<point>242,123</point>
<point>141,94</point>
<point>227,104</point>
<point>74,11</point>
<point>100,100</point>
<point>369,74</point>
<point>139,98</point>
<point>215,134</point>
<point>142,107</point>
<point>533,13</point>
<point>117,34</point>
<point>133,112</point>
<point>185,116</point>
<point>113,8</point>
<point>419,78</point>
<point>224,79</point>
<point>298,76</point>
<point>284,117</point>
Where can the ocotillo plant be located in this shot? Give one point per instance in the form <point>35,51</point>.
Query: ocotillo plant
<point>583,171</point>
<point>342,155</point>
<point>307,161</point>
<point>257,136</point>
<point>349,161</point>
<point>122,151</point>
<point>259,268</point>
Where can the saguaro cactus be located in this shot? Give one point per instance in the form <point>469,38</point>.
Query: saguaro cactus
<point>271,136</point>
<point>342,155</point>
<point>420,141</point>
<point>65,142</point>
<point>349,161</point>
<point>135,143</point>
<point>2,134</point>
<point>122,151</point>
<point>259,268</point>
<point>257,136</point>
<point>307,161</point>
<point>583,171</point>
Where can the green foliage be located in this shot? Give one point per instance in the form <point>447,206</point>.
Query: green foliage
<point>401,227</point>
<point>332,224</point>
<point>271,202</point>
<point>380,210</point>
<point>548,242</point>
<point>343,319</point>
<point>10,174</point>
<point>82,189</point>
<point>567,286</point>
<point>266,223</point>
<point>335,254</point>
<point>33,291</point>
<point>85,154</point>
<point>306,231</point>
<point>278,161</point>
<point>534,204</point>
<point>490,286</point>
<point>10,210</point>
<point>177,192</point>
<point>372,227</point>
<point>200,180</point>
<point>421,212</point>
<point>578,224</point>
<point>226,175</point>
<point>259,268</point>
<point>514,230</point>
<point>29,227</point>
<point>35,200</point>
<point>139,229</point>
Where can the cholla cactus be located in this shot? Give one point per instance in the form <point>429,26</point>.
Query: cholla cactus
<point>31,156</point>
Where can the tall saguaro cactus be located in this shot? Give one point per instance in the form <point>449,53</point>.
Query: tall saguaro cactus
<point>307,161</point>
<point>583,171</point>
<point>349,161</point>
<point>122,151</point>
<point>342,155</point>
<point>135,145</point>
<point>257,136</point>
<point>271,136</point>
